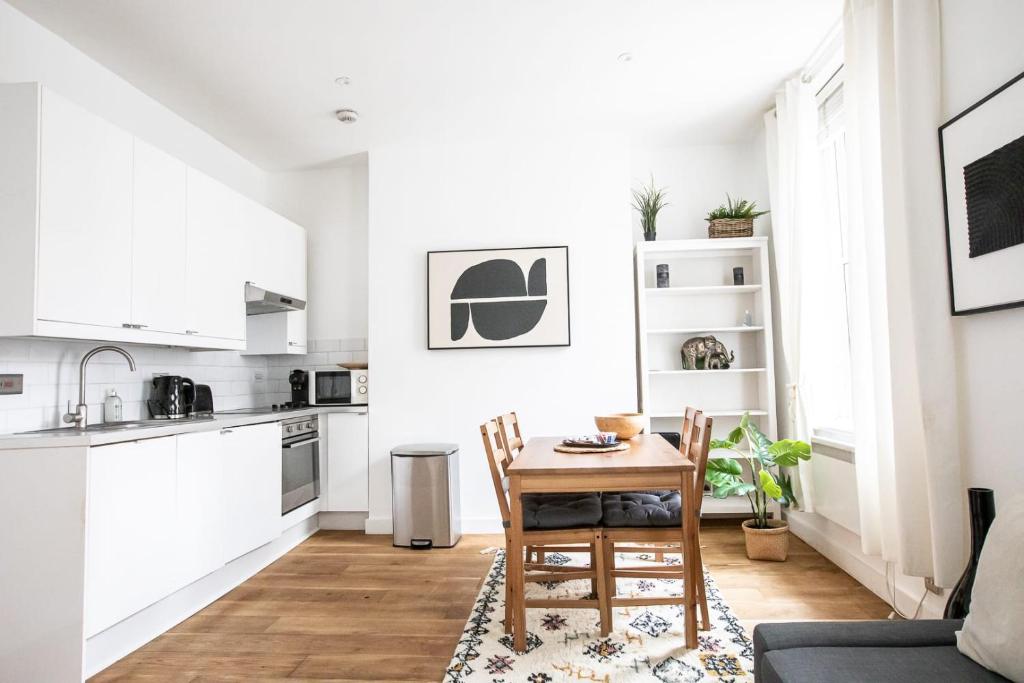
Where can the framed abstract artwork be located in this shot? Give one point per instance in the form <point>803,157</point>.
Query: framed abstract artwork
<point>498,298</point>
<point>982,152</point>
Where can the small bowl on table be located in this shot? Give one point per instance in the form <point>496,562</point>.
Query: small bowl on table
<point>625,425</point>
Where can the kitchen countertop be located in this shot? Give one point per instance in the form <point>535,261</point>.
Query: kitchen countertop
<point>70,437</point>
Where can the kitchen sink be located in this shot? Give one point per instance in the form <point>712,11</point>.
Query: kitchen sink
<point>118,426</point>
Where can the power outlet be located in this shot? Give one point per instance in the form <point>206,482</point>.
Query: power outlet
<point>929,583</point>
<point>11,384</point>
<point>258,375</point>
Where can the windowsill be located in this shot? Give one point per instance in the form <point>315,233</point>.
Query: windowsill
<point>834,443</point>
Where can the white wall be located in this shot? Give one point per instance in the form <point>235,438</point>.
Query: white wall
<point>570,191</point>
<point>981,50</point>
<point>331,203</point>
<point>29,52</point>
<point>697,179</point>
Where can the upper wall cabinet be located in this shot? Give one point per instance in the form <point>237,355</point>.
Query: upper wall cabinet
<point>105,237</point>
<point>216,289</point>
<point>85,217</point>
<point>159,241</point>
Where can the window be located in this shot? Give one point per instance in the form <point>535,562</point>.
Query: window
<point>825,343</point>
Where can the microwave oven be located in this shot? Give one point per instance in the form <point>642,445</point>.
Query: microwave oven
<point>338,387</point>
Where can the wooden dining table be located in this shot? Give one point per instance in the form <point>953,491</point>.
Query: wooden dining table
<point>650,464</point>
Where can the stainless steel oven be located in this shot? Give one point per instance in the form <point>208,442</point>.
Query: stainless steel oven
<point>300,462</point>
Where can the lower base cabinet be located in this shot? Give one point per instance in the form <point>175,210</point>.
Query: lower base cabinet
<point>130,530</point>
<point>163,513</point>
<point>348,462</point>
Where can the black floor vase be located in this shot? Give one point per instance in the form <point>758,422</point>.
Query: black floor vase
<point>982,504</point>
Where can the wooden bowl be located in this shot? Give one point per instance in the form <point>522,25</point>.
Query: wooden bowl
<point>626,425</point>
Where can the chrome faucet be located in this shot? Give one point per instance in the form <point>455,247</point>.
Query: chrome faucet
<point>80,416</point>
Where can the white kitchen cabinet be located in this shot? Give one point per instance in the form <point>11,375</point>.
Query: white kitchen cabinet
<point>276,252</point>
<point>348,462</point>
<point>276,333</point>
<point>200,528</point>
<point>159,241</point>
<point>131,522</point>
<point>85,217</point>
<point>215,292</point>
<point>252,493</point>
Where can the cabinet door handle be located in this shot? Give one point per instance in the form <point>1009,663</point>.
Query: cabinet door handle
<point>191,331</point>
<point>127,326</point>
<point>227,431</point>
<point>293,343</point>
<point>140,327</point>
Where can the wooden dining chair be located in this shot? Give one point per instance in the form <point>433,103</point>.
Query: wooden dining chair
<point>685,440</point>
<point>660,528</point>
<point>580,532</point>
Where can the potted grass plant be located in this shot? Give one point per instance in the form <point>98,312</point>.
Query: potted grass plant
<point>733,219</point>
<point>648,201</point>
<point>766,539</point>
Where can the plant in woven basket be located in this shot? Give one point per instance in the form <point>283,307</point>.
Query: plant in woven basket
<point>741,209</point>
<point>648,201</point>
<point>726,474</point>
<point>733,219</point>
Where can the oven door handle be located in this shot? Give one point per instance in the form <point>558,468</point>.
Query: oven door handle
<point>306,442</point>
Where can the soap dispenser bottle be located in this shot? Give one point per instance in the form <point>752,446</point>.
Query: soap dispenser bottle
<point>113,407</point>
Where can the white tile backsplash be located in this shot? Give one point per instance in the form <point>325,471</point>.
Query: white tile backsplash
<point>50,369</point>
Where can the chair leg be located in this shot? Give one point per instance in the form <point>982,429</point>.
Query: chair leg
<point>610,582</point>
<point>593,565</point>
<point>600,555</point>
<point>508,592</point>
<point>540,557</point>
<point>702,597</point>
<point>659,557</point>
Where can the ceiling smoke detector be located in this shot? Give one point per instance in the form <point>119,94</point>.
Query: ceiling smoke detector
<point>343,80</point>
<point>347,115</point>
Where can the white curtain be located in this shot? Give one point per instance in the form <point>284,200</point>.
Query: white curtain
<point>790,132</point>
<point>908,467</point>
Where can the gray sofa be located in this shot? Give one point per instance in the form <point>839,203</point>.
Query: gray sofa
<point>862,651</point>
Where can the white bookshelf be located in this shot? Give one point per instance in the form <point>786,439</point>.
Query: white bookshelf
<point>702,300</point>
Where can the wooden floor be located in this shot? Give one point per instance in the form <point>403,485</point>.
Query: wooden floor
<point>344,606</point>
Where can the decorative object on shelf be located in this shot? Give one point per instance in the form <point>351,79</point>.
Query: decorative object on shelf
<point>648,201</point>
<point>625,425</point>
<point>982,505</point>
<point>766,539</point>
<point>494,298</point>
<point>733,219</point>
<point>662,275</point>
<point>737,275</point>
<point>705,353</point>
<point>982,151</point>
<point>748,319</point>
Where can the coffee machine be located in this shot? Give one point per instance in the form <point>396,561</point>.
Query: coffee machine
<point>172,397</point>
<point>299,379</point>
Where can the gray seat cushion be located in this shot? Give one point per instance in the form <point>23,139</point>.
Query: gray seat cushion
<point>641,509</point>
<point>861,664</point>
<point>561,510</point>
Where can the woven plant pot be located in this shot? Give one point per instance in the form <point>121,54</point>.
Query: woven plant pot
<point>767,544</point>
<point>731,227</point>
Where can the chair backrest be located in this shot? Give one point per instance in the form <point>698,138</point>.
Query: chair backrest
<point>496,463</point>
<point>511,437</point>
<point>686,438</point>
<point>700,447</point>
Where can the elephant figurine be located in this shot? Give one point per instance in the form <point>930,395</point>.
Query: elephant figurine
<point>711,352</point>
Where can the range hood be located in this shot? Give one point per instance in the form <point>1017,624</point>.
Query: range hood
<point>259,301</point>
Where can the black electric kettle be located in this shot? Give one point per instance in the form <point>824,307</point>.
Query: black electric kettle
<point>172,398</point>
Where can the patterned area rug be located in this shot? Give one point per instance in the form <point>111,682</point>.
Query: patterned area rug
<point>646,643</point>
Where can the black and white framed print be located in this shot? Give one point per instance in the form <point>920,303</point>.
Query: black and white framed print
<point>982,153</point>
<point>494,298</point>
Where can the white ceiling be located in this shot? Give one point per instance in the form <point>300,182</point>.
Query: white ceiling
<point>259,74</point>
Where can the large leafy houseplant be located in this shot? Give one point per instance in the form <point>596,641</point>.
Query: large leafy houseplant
<point>762,454</point>
<point>648,201</point>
